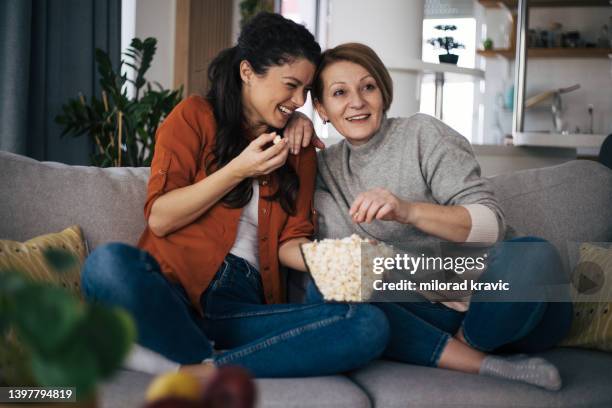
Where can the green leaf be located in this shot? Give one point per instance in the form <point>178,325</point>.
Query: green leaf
<point>72,366</point>
<point>11,282</point>
<point>45,315</point>
<point>109,334</point>
<point>142,113</point>
<point>60,259</point>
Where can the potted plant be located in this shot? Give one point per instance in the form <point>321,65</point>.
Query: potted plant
<point>50,338</point>
<point>122,126</point>
<point>250,8</point>
<point>446,43</point>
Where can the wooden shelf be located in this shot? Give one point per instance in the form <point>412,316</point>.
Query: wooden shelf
<point>545,3</point>
<point>506,53</point>
<point>550,53</point>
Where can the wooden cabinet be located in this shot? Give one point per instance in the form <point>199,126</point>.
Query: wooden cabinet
<point>203,28</point>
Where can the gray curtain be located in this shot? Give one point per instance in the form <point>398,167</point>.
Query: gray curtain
<point>47,56</point>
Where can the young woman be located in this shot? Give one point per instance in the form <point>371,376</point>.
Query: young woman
<point>225,208</point>
<point>403,180</point>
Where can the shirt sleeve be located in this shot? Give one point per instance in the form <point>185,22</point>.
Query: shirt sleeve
<point>178,147</point>
<point>485,227</point>
<point>454,178</point>
<point>301,224</point>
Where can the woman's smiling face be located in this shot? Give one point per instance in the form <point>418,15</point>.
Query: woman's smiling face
<point>351,100</point>
<point>271,98</point>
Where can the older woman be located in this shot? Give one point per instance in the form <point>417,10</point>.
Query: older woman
<point>401,180</point>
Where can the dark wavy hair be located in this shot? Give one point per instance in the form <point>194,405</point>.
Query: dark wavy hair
<point>267,39</point>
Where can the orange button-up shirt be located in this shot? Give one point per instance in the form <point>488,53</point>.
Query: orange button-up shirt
<point>193,254</point>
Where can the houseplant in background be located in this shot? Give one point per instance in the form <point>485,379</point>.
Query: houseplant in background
<point>122,124</point>
<point>249,8</point>
<point>446,43</point>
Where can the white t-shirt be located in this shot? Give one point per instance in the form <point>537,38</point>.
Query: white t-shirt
<point>246,245</point>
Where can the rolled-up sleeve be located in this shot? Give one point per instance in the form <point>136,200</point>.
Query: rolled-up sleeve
<point>485,226</point>
<point>177,152</point>
<point>453,175</point>
<point>302,223</point>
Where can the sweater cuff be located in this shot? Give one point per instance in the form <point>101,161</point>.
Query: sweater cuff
<point>148,361</point>
<point>485,227</point>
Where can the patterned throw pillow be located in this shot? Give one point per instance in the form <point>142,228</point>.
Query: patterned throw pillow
<point>55,258</point>
<point>592,297</point>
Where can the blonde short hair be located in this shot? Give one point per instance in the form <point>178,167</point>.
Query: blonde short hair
<point>359,54</point>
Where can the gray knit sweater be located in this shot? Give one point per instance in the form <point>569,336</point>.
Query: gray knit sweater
<point>418,159</point>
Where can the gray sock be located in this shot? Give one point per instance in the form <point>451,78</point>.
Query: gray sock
<point>531,370</point>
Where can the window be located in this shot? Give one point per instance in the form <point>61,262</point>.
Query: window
<point>459,90</point>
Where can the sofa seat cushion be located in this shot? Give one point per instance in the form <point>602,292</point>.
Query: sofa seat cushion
<point>587,382</point>
<point>127,390</point>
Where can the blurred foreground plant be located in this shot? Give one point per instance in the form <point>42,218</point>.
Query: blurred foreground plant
<point>48,337</point>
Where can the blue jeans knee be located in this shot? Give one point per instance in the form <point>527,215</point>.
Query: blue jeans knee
<point>112,270</point>
<point>369,333</point>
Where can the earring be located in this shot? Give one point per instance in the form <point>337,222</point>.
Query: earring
<point>325,121</point>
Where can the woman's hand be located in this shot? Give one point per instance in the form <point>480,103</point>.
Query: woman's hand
<point>379,204</point>
<point>300,133</point>
<point>255,160</point>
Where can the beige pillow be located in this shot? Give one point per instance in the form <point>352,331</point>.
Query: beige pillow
<point>592,297</point>
<point>55,258</point>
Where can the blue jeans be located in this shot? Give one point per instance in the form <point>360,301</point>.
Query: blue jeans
<point>281,340</point>
<point>420,330</point>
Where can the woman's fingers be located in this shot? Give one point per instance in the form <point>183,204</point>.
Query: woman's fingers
<point>384,212</point>
<point>296,141</point>
<point>355,205</point>
<point>308,131</point>
<point>316,142</point>
<point>372,211</point>
<point>263,140</point>
<point>362,210</point>
<point>289,134</point>
<point>277,160</point>
<point>275,150</point>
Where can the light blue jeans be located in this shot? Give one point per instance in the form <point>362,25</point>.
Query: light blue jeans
<point>281,340</point>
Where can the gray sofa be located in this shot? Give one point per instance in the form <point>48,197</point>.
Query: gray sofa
<point>569,202</point>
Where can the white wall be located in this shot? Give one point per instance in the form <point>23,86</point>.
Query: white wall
<point>394,29</point>
<point>152,18</point>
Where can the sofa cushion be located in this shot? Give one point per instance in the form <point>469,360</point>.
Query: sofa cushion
<point>586,383</point>
<point>38,197</point>
<point>127,390</point>
<point>567,203</point>
<point>55,258</point>
<point>592,296</point>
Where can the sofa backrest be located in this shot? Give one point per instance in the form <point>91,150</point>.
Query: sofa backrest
<point>569,202</point>
<point>565,204</point>
<point>42,197</point>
